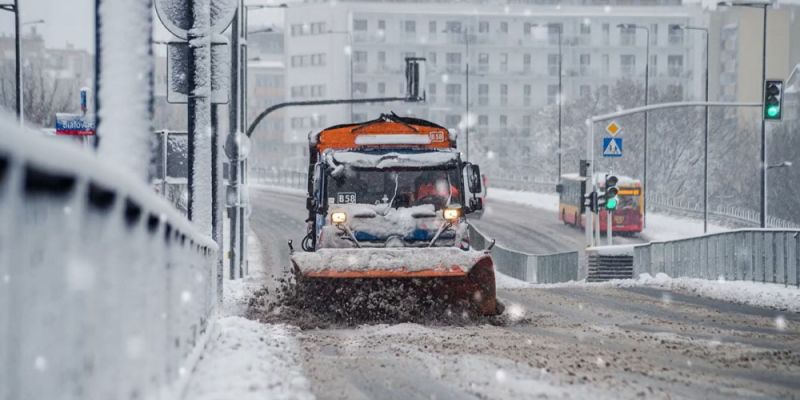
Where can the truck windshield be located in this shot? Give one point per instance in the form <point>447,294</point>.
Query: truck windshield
<point>400,187</point>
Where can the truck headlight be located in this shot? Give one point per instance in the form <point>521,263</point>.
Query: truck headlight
<point>338,217</point>
<point>452,214</point>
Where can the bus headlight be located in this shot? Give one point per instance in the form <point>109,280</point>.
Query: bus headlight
<point>338,217</point>
<point>452,214</point>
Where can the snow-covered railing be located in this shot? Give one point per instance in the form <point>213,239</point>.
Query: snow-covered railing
<point>759,255</point>
<point>738,215</point>
<point>105,289</point>
<point>535,268</point>
<point>286,177</point>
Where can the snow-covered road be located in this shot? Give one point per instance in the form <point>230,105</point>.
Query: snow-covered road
<point>560,341</point>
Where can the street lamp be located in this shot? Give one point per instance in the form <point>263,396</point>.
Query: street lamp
<point>760,4</point>
<point>560,95</point>
<point>14,7</point>
<point>646,99</point>
<point>705,131</point>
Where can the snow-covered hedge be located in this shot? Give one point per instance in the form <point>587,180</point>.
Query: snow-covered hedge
<point>104,287</point>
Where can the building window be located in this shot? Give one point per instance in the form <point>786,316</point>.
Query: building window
<point>432,28</point>
<point>526,95</point>
<point>554,33</point>
<point>526,121</point>
<point>552,64</point>
<point>483,62</point>
<point>503,62</point>
<point>504,120</point>
<point>504,28</point>
<point>585,91</point>
<point>654,34</point>
<point>381,88</point>
<point>627,36</point>
<point>452,26</point>
<point>453,62</point>
<point>526,63</point>
<point>585,64</point>
<point>297,29</point>
<point>483,94</point>
<point>602,92</point>
<point>527,28</point>
<point>675,35</point>
<point>483,27</point>
<point>483,122</point>
<point>381,60</point>
<point>653,65</point>
<point>432,59</point>
<point>606,65</point>
<point>586,28</point>
<point>359,89</point>
<point>503,94</point>
<point>360,61</point>
<point>360,25</point>
<point>381,25</point>
<point>452,121</point>
<point>675,65</point>
<point>627,65</point>
<point>606,34</point>
<point>410,27</point>
<point>431,95</point>
<point>453,93</point>
<point>552,94</point>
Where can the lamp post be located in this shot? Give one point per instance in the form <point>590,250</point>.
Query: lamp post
<point>14,7</point>
<point>705,130</point>
<point>763,5</point>
<point>350,55</point>
<point>646,100</point>
<point>560,94</point>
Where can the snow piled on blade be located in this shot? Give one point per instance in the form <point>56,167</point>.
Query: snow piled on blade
<point>266,359</point>
<point>381,221</point>
<point>394,259</point>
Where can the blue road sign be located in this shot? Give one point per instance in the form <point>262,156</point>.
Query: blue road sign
<point>612,147</point>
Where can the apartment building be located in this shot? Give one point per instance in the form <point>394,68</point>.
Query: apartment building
<point>339,49</point>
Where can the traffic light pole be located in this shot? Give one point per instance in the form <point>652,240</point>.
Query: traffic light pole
<point>605,117</point>
<point>609,234</point>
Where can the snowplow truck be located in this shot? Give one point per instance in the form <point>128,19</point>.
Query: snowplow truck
<point>387,200</point>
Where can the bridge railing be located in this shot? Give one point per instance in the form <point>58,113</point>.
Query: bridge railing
<point>535,268</point>
<point>771,256</point>
<point>105,289</point>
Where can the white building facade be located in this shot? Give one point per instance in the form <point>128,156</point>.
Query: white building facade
<point>337,48</point>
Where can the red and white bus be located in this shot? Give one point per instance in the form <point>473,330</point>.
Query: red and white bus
<point>627,218</point>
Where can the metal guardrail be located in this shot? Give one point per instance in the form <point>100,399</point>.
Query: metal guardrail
<point>757,255</point>
<point>727,213</point>
<point>100,278</point>
<point>285,177</point>
<point>535,268</point>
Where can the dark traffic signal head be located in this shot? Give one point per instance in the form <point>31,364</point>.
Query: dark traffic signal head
<point>611,193</point>
<point>773,99</point>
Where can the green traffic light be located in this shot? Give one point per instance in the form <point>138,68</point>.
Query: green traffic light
<point>773,111</point>
<point>611,204</point>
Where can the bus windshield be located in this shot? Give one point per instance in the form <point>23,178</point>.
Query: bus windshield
<point>398,187</point>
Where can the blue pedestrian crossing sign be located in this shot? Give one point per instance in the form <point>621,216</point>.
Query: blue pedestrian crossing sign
<point>612,147</point>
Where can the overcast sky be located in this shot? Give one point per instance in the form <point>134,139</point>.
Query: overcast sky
<point>72,21</point>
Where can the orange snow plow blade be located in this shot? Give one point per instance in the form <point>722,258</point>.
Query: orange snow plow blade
<point>451,274</point>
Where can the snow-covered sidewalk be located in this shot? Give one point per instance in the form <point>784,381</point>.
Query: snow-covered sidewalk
<point>245,359</point>
<point>659,226</point>
<point>769,295</point>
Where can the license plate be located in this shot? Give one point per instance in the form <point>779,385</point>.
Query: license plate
<point>345,198</point>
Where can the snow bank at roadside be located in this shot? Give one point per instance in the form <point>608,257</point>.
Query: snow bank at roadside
<point>768,295</point>
<point>236,293</point>
<point>544,201</point>
<point>245,360</point>
<point>503,281</point>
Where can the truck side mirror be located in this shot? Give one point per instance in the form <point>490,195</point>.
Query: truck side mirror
<point>474,178</point>
<point>476,204</point>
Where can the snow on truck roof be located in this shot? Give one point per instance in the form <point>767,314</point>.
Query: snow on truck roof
<point>395,159</point>
<point>385,132</point>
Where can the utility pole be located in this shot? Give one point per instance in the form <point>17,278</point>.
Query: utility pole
<point>560,96</point>
<point>466,122</point>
